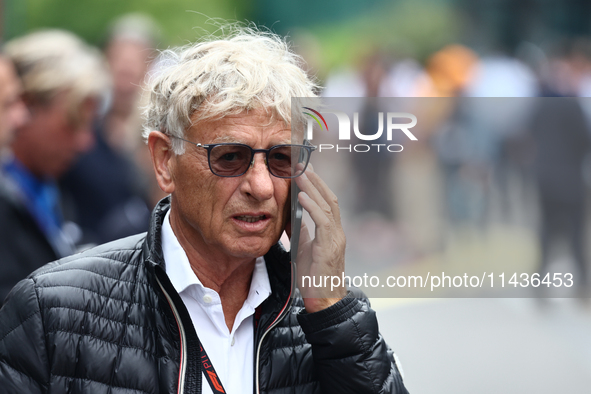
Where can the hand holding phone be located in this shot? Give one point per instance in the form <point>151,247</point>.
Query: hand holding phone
<point>324,255</point>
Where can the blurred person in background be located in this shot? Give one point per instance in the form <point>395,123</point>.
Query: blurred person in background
<point>63,80</point>
<point>13,113</point>
<point>448,72</point>
<point>503,154</point>
<point>464,148</point>
<point>565,73</point>
<point>560,134</point>
<point>373,172</point>
<point>107,191</point>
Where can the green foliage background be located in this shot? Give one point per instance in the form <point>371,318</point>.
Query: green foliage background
<point>89,18</point>
<point>345,29</point>
<point>413,28</point>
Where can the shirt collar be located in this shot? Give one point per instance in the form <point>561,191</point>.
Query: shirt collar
<point>183,277</point>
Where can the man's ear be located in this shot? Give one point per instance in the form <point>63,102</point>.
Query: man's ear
<point>162,155</point>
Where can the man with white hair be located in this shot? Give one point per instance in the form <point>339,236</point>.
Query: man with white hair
<point>206,302</point>
<point>62,79</point>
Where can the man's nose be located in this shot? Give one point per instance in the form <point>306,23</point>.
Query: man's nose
<point>259,181</point>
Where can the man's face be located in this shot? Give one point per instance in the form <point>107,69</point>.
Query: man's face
<point>50,142</point>
<point>13,112</point>
<point>239,217</point>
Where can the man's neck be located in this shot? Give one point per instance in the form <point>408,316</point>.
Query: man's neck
<point>230,278</point>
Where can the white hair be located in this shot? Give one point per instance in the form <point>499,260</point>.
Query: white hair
<point>53,61</point>
<point>249,69</point>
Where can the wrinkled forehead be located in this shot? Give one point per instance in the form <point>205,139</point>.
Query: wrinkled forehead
<point>211,109</point>
<point>235,125</point>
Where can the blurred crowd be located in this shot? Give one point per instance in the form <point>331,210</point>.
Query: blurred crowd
<point>508,144</point>
<point>75,173</point>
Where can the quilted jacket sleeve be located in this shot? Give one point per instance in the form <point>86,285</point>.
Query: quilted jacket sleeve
<point>23,356</point>
<point>349,352</point>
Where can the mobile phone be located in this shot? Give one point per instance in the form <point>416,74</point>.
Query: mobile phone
<point>297,212</point>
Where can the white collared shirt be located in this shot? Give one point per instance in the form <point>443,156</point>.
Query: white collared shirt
<point>231,352</point>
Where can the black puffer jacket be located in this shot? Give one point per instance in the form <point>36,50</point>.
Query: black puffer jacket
<point>23,246</point>
<point>109,321</point>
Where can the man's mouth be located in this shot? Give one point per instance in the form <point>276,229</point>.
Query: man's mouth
<point>250,219</point>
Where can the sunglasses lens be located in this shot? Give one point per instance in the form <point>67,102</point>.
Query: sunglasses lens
<point>281,159</point>
<point>230,160</point>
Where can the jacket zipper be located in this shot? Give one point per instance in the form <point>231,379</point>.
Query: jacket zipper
<point>280,317</point>
<point>183,363</point>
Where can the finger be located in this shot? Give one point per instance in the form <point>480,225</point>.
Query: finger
<point>312,192</point>
<point>324,191</point>
<point>322,187</point>
<point>325,225</point>
<point>303,243</point>
<point>304,234</point>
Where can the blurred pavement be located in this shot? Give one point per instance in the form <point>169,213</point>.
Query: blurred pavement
<point>490,345</point>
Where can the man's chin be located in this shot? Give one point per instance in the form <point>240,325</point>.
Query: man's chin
<point>251,248</point>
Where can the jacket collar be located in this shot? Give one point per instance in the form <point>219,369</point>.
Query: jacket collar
<point>153,244</point>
